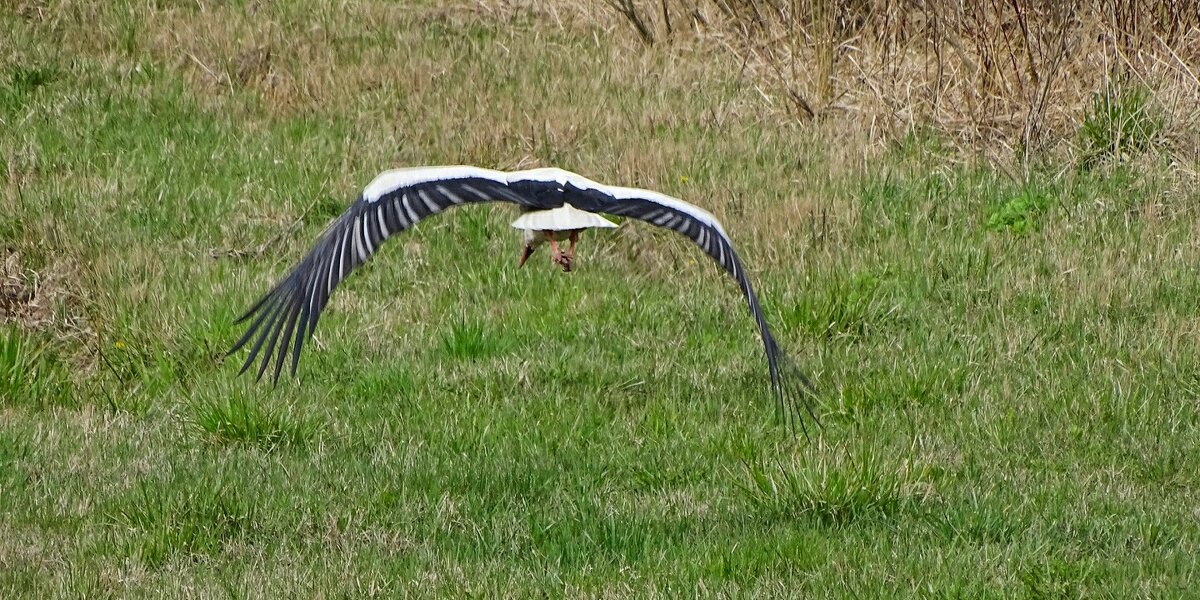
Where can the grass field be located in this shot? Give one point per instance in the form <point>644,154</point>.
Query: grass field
<point>1008,367</point>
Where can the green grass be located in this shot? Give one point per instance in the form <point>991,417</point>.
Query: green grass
<point>1008,368</point>
<point>1121,123</point>
<point>233,418</point>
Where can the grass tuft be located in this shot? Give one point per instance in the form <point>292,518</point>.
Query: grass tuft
<point>1121,123</point>
<point>234,419</point>
<point>850,306</point>
<point>834,487</point>
<point>26,79</point>
<point>22,81</point>
<point>30,375</point>
<point>466,340</point>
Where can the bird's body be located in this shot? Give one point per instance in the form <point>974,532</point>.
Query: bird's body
<point>554,202</point>
<point>541,226</point>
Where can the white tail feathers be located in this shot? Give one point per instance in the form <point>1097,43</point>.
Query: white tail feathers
<point>563,218</point>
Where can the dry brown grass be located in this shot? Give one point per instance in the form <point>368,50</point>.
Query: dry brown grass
<point>44,299</point>
<point>1005,79</point>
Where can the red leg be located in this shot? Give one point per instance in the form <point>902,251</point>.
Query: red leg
<point>554,253</point>
<point>574,238</point>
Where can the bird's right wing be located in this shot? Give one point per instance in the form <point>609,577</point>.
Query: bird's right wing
<point>792,388</point>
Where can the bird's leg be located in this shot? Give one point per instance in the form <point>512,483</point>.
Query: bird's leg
<point>574,238</point>
<point>558,256</point>
<point>555,254</point>
<point>567,260</point>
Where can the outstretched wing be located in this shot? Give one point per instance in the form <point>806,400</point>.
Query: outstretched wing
<point>791,387</point>
<point>391,204</point>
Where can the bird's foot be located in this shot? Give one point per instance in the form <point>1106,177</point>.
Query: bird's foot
<point>564,260</point>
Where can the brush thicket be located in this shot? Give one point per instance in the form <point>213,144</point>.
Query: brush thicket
<point>1005,80</point>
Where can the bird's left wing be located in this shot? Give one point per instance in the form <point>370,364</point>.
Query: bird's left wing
<point>392,203</point>
<point>791,387</point>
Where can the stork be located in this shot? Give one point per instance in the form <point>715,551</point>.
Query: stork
<point>553,202</point>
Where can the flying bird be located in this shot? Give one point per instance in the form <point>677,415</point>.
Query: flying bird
<point>553,201</point>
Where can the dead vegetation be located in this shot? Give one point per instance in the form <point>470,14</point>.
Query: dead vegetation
<point>24,298</point>
<point>43,300</point>
<point>1006,79</point>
